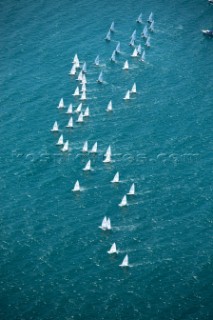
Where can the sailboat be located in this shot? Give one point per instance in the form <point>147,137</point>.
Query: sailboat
<point>87,166</point>
<point>65,147</point>
<point>106,224</point>
<point>108,36</point>
<point>83,87</point>
<point>148,42</point>
<point>127,96</point>
<point>112,27</point>
<point>60,140</point>
<point>86,112</point>
<point>139,19</point>
<point>116,178</point>
<point>109,106</point>
<point>135,53</point>
<point>70,123</point>
<point>150,19</point>
<point>97,61</point>
<point>80,76</point>
<point>131,190</point>
<point>132,43</point>
<point>84,79</point>
<point>76,92</point>
<point>134,90</point>
<point>143,56</point>
<point>76,186</point>
<point>123,202</point>
<point>85,147</point>
<point>78,109</point>
<point>118,48</point>
<point>112,249</point>
<point>151,28</point>
<point>126,65</point>
<point>133,36</point>
<point>139,49</point>
<point>100,78</point>
<point>84,67</point>
<point>61,104</point>
<point>125,262</point>
<point>75,59</point>
<point>55,127</point>
<point>83,96</point>
<point>94,148</point>
<point>113,57</point>
<point>69,110</point>
<point>80,118</point>
<point>107,159</point>
<point>144,34</point>
<point>73,70</point>
<point>109,224</point>
<point>108,151</point>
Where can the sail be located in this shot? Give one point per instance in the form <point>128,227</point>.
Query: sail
<point>133,36</point>
<point>70,123</point>
<point>104,224</point>
<point>76,92</point>
<point>97,61</point>
<point>84,67</point>
<point>112,27</point>
<point>77,64</point>
<point>87,166</point>
<point>73,70</point>
<point>83,88</point>
<point>66,146</point>
<point>132,43</point>
<point>148,42</point>
<point>75,59</point>
<point>152,26</point>
<point>80,75</point>
<point>123,202</point>
<point>113,57</point>
<point>109,224</point>
<point>127,96</point>
<point>118,48</point>
<point>61,104</point>
<point>80,118</point>
<point>69,110</point>
<point>116,178</point>
<point>108,152</point>
<point>85,147</point>
<point>139,49</point>
<point>145,32</point>
<point>125,262</point>
<point>94,148</point>
<point>107,159</point>
<point>135,53</point>
<point>83,96</point>
<point>150,19</point>
<point>109,107</point>
<point>126,65</point>
<point>134,90</point>
<point>112,249</point>
<point>108,36</point>
<point>55,127</point>
<point>100,78</point>
<point>76,186</point>
<point>139,19</point>
<point>132,190</point>
<point>143,56</point>
<point>60,140</point>
<point>78,109</point>
<point>86,112</point>
<point>84,79</point>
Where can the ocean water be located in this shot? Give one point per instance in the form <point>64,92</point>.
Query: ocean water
<point>54,261</point>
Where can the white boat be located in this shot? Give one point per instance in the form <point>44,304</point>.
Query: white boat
<point>139,49</point>
<point>80,118</point>
<point>113,57</point>
<point>112,27</point>
<point>143,56</point>
<point>148,42</point>
<point>65,147</point>
<point>150,19</point>
<point>135,53</point>
<point>70,109</point>
<point>73,70</point>
<point>118,48</point>
<point>106,224</point>
<point>126,65</point>
<point>84,79</point>
<point>116,178</point>
<point>108,36</point>
<point>61,104</point>
<point>87,166</point>
<point>100,78</point>
<point>109,106</point>
<point>134,89</point>
<point>76,186</point>
<point>123,202</point>
<point>75,59</point>
<point>139,19</point>
<point>112,249</point>
<point>86,112</point>
<point>94,148</point>
<point>97,61</point>
<point>127,96</point>
<point>132,190</point>
<point>55,127</point>
<point>151,28</point>
<point>76,92</point>
<point>70,123</point>
<point>132,43</point>
<point>60,140</point>
<point>83,87</point>
<point>83,96</point>
<point>108,151</point>
<point>84,67</point>
<point>107,159</point>
<point>80,76</point>
<point>79,107</point>
<point>144,34</point>
<point>85,147</point>
<point>133,36</point>
<point>125,262</point>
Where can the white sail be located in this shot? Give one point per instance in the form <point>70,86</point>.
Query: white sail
<point>139,49</point>
<point>123,202</point>
<point>134,89</point>
<point>116,178</point>
<point>84,67</point>
<point>143,56</point>
<point>107,159</point>
<point>112,249</point>
<point>55,127</point>
<point>112,27</point>
<point>60,140</point>
<point>87,166</point>
<point>113,57</point>
<point>109,224</point>
<point>151,28</point>
<point>76,186</point>
<point>145,32</point>
<point>118,48</point>
<point>94,148</point>
<point>97,61</point>
<point>108,36</point>
<point>108,151</point>
<point>135,53</point>
<point>70,109</point>
<point>139,19</point>
<point>125,262</point>
<point>79,107</point>
<point>76,92</point>
<point>80,76</point>
<point>77,64</point>
<point>150,19</point>
<point>85,147</point>
<point>65,147</point>
<point>148,42</point>
<point>133,36</point>
<point>84,79</point>
<point>70,123</point>
<point>86,112</point>
<point>104,224</point>
<point>75,59</point>
<point>109,106</point>
<point>73,70</point>
<point>83,88</point>
<point>83,96</point>
<point>80,118</point>
<point>127,96</point>
<point>126,65</point>
<point>61,104</point>
<point>100,78</point>
<point>132,43</point>
<point>132,190</point>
